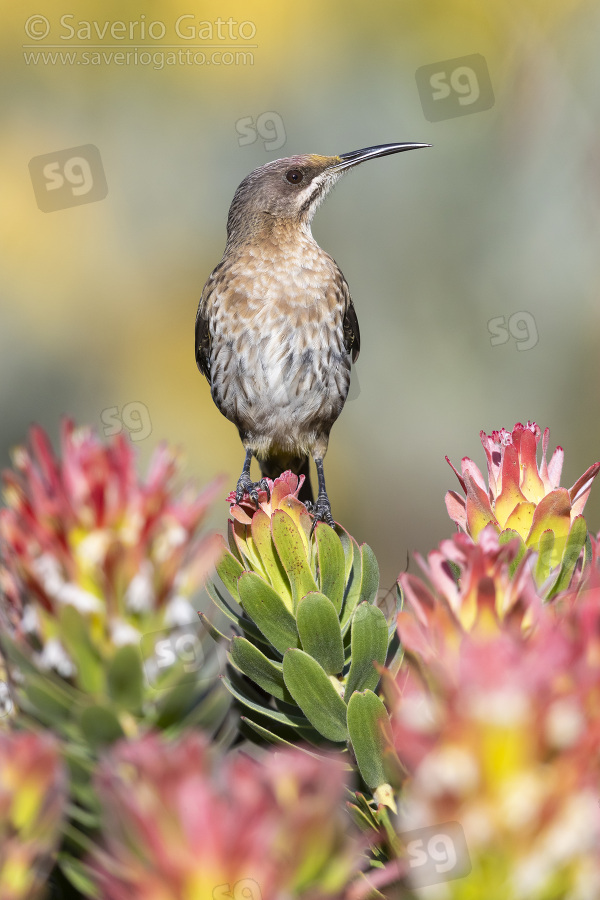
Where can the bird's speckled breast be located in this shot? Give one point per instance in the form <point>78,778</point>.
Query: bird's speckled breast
<point>278,361</point>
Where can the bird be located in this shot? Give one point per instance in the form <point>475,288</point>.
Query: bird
<point>276,330</point>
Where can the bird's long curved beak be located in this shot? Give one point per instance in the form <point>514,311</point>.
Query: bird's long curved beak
<point>348,160</point>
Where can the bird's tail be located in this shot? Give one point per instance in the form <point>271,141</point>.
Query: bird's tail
<point>273,466</point>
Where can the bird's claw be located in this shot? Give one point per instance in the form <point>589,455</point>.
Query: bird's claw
<point>320,511</point>
<point>246,486</point>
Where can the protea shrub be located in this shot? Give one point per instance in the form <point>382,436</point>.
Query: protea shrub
<point>308,636</point>
<point>98,568</point>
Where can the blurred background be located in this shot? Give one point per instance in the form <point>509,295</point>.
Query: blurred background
<point>474,265</point>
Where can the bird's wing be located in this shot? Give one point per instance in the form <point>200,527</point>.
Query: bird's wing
<point>202,340</point>
<point>351,329</point>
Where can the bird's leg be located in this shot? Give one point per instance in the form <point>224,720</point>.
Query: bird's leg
<point>245,484</point>
<point>321,510</point>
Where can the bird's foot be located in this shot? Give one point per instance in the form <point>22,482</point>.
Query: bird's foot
<point>320,511</point>
<point>245,485</point>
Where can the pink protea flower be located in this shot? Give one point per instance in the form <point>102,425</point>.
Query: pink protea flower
<point>519,495</point>
<point>282,491</point>
<point>248,524</point>
<point>509,747</point>
<point>177,824</point>
<point>523,499</point>
<point>83,530</point>
<point>32,805</point>
<point>476,588</point>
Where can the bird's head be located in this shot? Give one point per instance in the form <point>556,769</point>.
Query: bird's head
<point>291,189</point>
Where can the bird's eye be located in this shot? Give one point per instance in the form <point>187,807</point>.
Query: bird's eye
<point>294,176</point>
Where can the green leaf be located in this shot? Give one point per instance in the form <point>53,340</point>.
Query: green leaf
<point>49,703</point>
<point>221,603</point>
<point>369,643</point>
<point>273,738</point>
<point>212,630</point>
<point>208,711</point>
<point>241,621</point>
<point>587,555</point>
<point>268,611</point>
<point>544,550</point>
<point>319,630</point>
<point>292,554</point>
<point>266,673</point>
<point>296,722</point>
<point>359,817</point>
<point>249,550</point>
<point>79,875</point>
<point>370,575</point>
<point>75,634</point>
<point>316,696</point>
<point>332,569</point>
<point>229,570</point>
<point>298,513</point>
<point>353,587</point>
<point>261,535</point>
<point>509,534</point>
<point>370,733</point>
<point>100,726</point>
<point>348,545</point>
<point>125,680</point>
<point>171,706</point>
<point>267,736</point>
<point>574,545</point>
<point>232,542</point>
<point>82,816</point>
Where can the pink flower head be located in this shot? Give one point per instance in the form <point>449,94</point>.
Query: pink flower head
<point>81,528</point>
<point>501,732</point>
<point>519,495</point>
<point>282,491</point>
<point>178,823</point>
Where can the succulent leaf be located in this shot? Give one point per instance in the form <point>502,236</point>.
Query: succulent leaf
<point>316,696</point>
<point>266,608</point>
<point>331,564</point>
<point>100,726</point>
<point>229,570</point>
<point>320,633</point>
<point>266,673</point>
<point>261,535</point>
<point>292,553</point>
<point>370,733</point>
<point>353,587</point>
<point>369,644</point>
<point>370,575</point>
<point>125,679</point>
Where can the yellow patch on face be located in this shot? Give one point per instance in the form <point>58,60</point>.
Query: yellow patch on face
<point>323,161</point>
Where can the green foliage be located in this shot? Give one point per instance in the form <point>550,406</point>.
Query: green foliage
<point>309,636</point>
